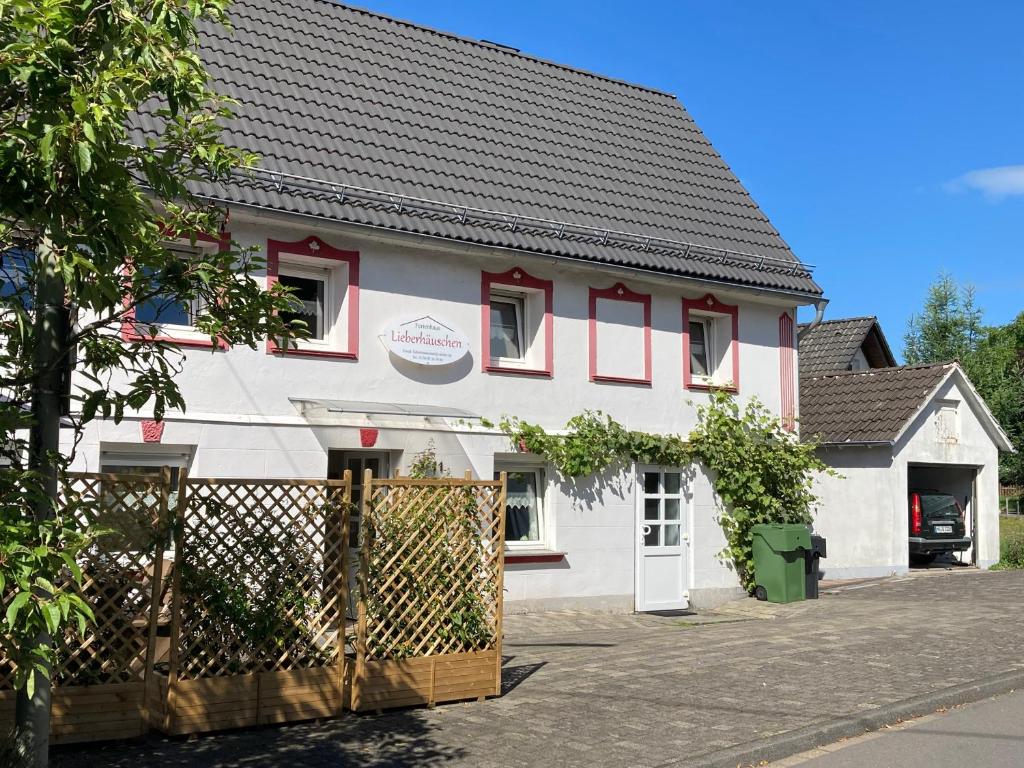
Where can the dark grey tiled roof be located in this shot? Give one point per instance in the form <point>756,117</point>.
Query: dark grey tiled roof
<point>831,346</point>
<point>865,406</point>
<point>336,94</point>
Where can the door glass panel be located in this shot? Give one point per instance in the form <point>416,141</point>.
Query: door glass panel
<point>355,467</point>
<point>651,509</point>
<point>671,509</point>
<point>671,482</point>
<point>651,537</point>
<point>374,466</point>
<point>651,482</point>
<point>671,535</point>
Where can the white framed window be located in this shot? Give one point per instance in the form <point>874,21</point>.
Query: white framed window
<point>126,460</point>
<point>525,521</point>
<point>316,294</point>
<point>163,316</point>
<point>508,319</point>
<point>324,283</point>
<point>701,344</point>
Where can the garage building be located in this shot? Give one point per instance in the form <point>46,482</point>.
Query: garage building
<point>889,431</point>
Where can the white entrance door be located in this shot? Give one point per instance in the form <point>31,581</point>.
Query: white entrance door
<point>663,542</point>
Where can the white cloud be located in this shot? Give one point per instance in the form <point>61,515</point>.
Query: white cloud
<point>994,183</point>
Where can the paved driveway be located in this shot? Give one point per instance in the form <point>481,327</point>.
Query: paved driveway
<point>649,691</point>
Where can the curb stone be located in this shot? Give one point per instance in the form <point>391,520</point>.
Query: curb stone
<point>762,751</point>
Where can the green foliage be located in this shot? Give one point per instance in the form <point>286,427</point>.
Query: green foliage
<point>1011,544</point>
<point>760,471</point>
<point>40,584</point>
<point>86,206</point>
<point>593,441</point>
<point>949,326</point>
<point>253,612</point>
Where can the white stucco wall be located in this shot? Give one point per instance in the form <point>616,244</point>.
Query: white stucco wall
<point>864,515</point>
<point>240,422</point>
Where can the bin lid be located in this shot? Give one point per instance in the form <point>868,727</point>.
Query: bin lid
<point>783,537</point>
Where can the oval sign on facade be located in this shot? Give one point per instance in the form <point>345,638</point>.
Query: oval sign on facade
<point>426,341</point>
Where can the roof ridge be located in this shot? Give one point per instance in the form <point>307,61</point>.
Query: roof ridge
<point>890,369</point>
<point>844,320</point>
<point>491,46</point>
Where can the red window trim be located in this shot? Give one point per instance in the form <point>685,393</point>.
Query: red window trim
<point>708,304</point>
<point>314,247</point>
<point>516,278</point>
<point>787,367</point>
<point>129,330</point>
<point>619,292</point>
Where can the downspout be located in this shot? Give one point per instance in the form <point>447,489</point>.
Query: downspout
<point>819,305</point>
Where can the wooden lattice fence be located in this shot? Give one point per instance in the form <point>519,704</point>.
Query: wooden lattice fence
<point>222,603</point>
<point>100,678</point>
<point>429,591</point>
<point>259,604</point>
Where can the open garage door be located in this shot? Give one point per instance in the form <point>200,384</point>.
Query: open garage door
<point>956,481</point>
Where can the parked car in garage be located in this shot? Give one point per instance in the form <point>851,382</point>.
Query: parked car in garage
<point>936,525</point>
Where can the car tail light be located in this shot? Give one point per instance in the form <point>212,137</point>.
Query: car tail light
<point>915,513</point>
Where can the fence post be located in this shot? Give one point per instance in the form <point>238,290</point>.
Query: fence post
<point>499,627</point>
<point>179,559</point>
<point>155,593</point>
<point>346,497</point>
<point>364,576</point>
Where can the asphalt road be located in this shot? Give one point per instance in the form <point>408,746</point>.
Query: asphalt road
<point>989,734</point>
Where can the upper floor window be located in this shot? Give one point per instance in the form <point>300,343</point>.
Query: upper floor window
<point>162,316</point>
<point>507,328</point>
<point>517,333</point>
<point>324,283</point>
<point>711,350</point>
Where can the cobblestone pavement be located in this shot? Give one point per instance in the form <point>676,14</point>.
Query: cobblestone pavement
<point>591,690</point>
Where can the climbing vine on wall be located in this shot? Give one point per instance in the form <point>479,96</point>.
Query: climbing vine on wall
<point>760,471</point>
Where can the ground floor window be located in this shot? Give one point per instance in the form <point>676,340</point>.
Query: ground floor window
<point>524,506</point>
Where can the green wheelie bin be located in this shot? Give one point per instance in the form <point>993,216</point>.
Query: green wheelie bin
<point>778,551</point>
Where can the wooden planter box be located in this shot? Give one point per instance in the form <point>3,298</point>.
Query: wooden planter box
<point>217,703</point>
<point>89,712</point>
<point>426,680</point>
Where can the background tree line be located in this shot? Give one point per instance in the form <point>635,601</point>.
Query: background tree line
<point>951,327</point>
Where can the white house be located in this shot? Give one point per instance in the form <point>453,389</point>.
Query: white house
<point>889,431</point>
<point>476,232</point>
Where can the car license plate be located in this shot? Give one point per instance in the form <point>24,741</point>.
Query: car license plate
<point>943,528</point>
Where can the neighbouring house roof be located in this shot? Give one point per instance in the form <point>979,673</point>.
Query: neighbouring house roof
<point>870,406</point>
<point>832,345</point>
<point>372,121</point>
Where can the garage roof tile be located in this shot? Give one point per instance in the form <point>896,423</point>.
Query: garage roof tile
<point>866,406</point>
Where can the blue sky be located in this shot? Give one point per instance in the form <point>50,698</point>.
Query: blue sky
<point>885,140</point>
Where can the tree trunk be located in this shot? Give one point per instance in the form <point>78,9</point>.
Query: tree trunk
<point>32,715</point>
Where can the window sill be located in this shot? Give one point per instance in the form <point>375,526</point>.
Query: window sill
<point>619,380</point>
<point>273,349</point>
<point>517,371</point>
<point>700,386</point>
<point>177,341</point>
<point>526,556</point>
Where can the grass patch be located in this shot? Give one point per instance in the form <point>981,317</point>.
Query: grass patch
<point>1011,543</point>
